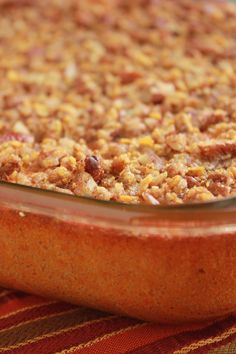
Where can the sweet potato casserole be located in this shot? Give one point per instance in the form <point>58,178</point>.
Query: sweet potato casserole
<point>132,101</point>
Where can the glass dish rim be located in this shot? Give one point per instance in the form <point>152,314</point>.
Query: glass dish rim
<point>222,203</point>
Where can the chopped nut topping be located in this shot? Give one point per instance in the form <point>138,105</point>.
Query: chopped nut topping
<point>129,101</point>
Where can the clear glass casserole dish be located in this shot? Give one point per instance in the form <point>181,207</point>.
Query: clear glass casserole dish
<point>168,264</point>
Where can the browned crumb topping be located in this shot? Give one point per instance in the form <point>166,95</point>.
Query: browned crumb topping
<point>133,101</point>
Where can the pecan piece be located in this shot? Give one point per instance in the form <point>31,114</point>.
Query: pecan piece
<point>93,167</point>
<point>211,119</point>
<point>217,150</point>
<point>12,101</point>
<point>218,177</point>
<point>157,98</point>
<point>8,168</point>
<point>192,181</point>
<point>128,77</point>
<point>217,188</point>
<point>116,133</point>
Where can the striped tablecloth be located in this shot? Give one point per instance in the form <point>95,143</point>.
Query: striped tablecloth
<point>33,325</point>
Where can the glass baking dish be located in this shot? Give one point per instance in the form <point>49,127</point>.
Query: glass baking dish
<point>167,264</point>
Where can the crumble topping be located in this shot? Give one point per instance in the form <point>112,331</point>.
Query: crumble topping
<point>132,101</point>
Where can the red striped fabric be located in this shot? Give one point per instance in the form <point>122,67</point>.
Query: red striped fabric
<point>30,324</point>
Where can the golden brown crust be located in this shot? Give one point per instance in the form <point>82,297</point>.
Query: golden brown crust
<point>150,277</point>
<point>119,100</point>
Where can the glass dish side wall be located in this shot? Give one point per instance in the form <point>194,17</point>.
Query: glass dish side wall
<point>199,219</point>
